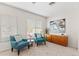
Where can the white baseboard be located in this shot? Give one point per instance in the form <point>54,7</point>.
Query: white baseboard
<point>4,46</point>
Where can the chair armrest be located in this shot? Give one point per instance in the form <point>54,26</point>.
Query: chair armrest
<point>24,39</point>
<point>13,44</point>
<point>44,38</point>
<point>22,43</point>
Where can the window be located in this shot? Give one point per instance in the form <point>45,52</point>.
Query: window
<point>7,27</point>
<point>34,26</point>
<point>37,30</point>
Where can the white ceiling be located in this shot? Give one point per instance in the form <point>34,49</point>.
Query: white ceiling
<point>43,8</point>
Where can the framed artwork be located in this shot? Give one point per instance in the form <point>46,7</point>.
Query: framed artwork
<point>58,26</point>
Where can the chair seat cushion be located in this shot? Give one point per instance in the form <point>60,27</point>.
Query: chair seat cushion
<point>39,39</point>
<point>21,44</point>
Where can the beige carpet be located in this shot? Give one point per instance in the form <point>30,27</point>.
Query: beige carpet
<point>50,49</point>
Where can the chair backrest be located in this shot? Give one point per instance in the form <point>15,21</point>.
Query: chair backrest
<point>13,42</point>
<point>38,35</point>
<point>35,35</point>
<point>12,38</point>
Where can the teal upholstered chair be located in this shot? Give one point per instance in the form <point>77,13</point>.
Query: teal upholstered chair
<point>39,39</point>
<point>18,45</point>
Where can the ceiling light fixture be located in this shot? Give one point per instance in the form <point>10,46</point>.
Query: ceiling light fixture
<point>51,3</point>
<point>34,2</point>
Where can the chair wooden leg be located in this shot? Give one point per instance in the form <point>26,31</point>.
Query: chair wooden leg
<point>28,46</point>
<point>37,44</point>
<point>32,44</point>
<point>12,49</point>
<point>18,52</point>
<point>45,43</point>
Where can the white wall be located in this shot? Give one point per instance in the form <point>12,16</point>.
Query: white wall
<point>21,17</point>
<point>69,11</point>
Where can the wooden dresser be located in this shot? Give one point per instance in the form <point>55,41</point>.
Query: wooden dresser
<point>58,39</point>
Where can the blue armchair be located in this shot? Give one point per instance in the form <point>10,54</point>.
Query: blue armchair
<point>40,39</point>
<point>18,45</point>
